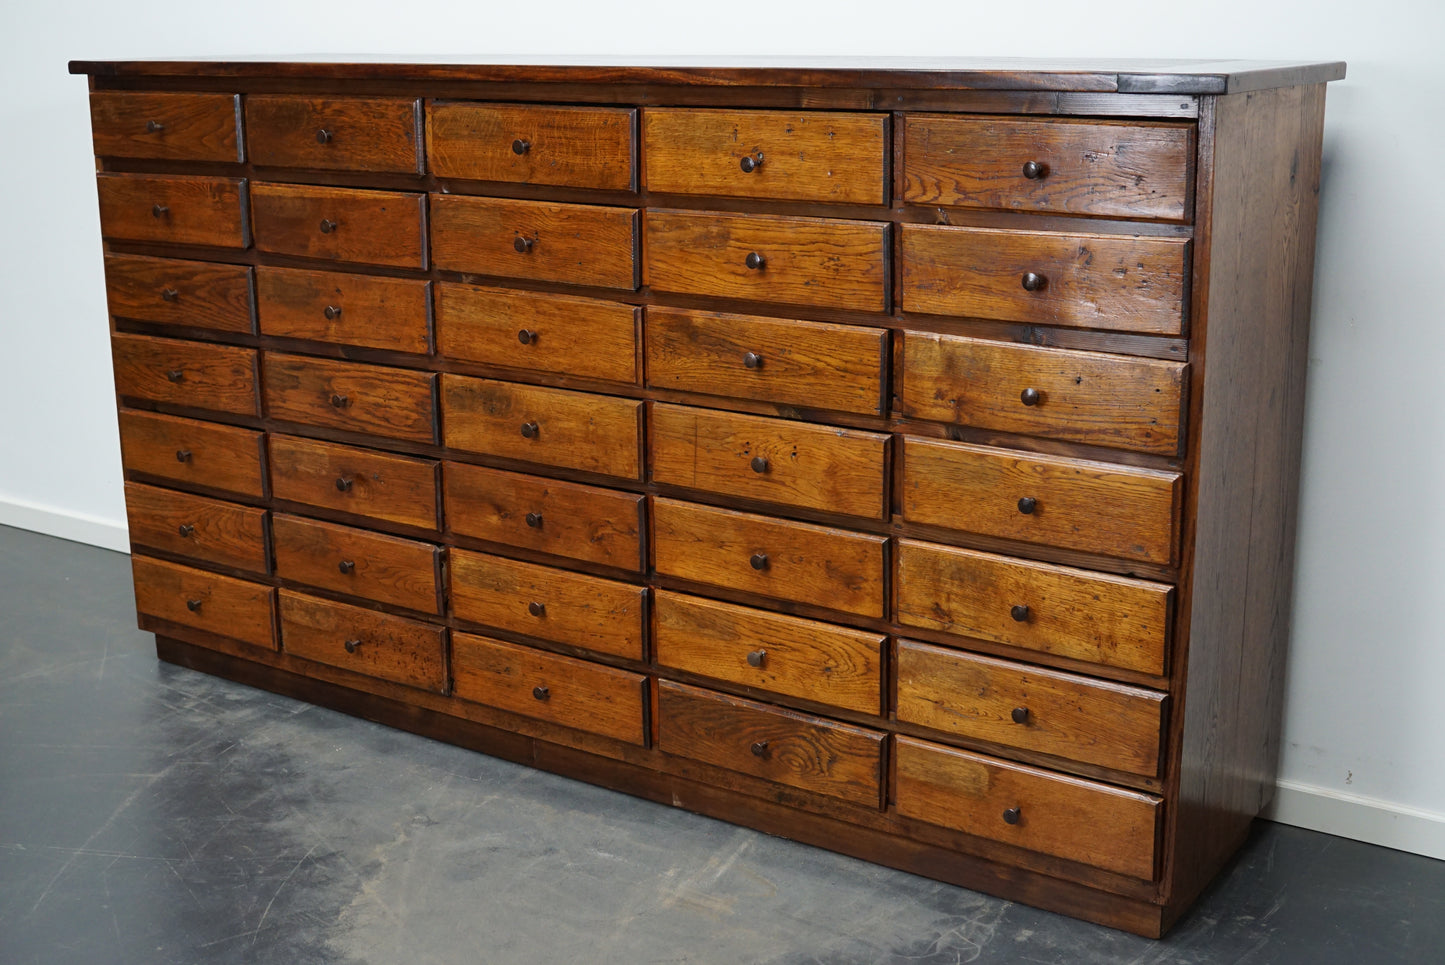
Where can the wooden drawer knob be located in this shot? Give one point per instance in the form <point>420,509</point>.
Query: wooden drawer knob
<point>751,162</point>
<point>169,294</point>
<point>537,609</point>
<point>1012,816</point>
<point>752,360</point>
<point>541,693</point>
<point>760,748</point>
<point>343,484</point>
<point>755,261</point>
<point>1027,505</point>
<point>347,566</point>
<point>1030,396</point>
<point>186,529</point>
<point>328,226</point>
<point>534,520</point>
<point>1033,282</point>
<point>521,146</point>
<point>175,375</point>
<point>154,127</point>
<point>530,430</point>
<point>1035,171</point>
<point>352,646</point>
<point>1020,715</point>
<point>527,337</point>
<point>159,211</point>
<point>183,455</point>
<point>332,312</point>
<point>1019,613</point>
<point>340,401</point>
<point>323,136</point>
<point>759,561</point>
<point>759,464</point>
<point>194,606</point>
<point>523,245</point>
<point>756,658</point>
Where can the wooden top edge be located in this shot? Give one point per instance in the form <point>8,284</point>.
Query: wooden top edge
<point>913,73</point>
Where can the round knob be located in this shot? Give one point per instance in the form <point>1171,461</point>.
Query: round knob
<point>752,360</point>
<point>331,312</point>
<point>347,566</point>
<point>759,561</point>
<point>759,464</point>
<point>340,401</point>
<point>169,294</point>
<point>523,245</point>
<point>328,226</point>
<point>323,136</point>
<point>756,658</point>
<point>760,748</point>
<point>1035,171</point>
<point>755,261</point>
<point>1020,715</point>
<point>159,211</point>
<point>186,529</point>
<point>154,127</point>
<point>1019,612</point>
<point>534,520</point>
<point>537,609</point>
<point>343,484</point>
<point>529,430</point>
<point>751,162</point>
<point>1030,396</point>
<point>352,646</point>
<point>527,337</point>
<point>193,605</point>
<point>1033,282</point>
<point>541,693</point>
<point>1027,505</point>
<point>176,375</point>
<point>1012,816</point>
<point>183,455</point>
<point>520,146</point>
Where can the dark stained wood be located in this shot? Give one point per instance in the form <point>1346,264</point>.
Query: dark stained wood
<point>345,308</point>
<point>188,451</point>
<point>189,294</point>
<point>235,609</point>
<point>580,147</point>
<point>174,209</point>
<point>368,227</point>
<point>210,530</point>
<point>173,127</point>
<point>380,400</point>
<point>357,562</point>
<point>363,482</point>
<point>197,375</point>
<point>393,648</point>
<point>335,133</point>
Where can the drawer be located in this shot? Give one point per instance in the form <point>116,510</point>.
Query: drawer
<point>1089,397</point>
<point>195,374</point>
<point>193,452</point>
<point>168,127</point>
<point>224,605</point>
<point>809,753</point>
<point>1114,621</point>
<point>771,460</point>
<point>406,652</point>
<point>547,515</point>
<point>794,363</point>
<point>1034,809</point>
<point>1093,507</point>
<point>1111,282</point>
<point>211,530</point>
<point>550,604</point>
<point>574,147</point>
<point>782,654</point>
<point>798,261</point>
<point>341,224</point>
<point>553,427</point>
<point>1013,704</point>
<point>375,399</point>
<point>579,337</point>
<point>777,558</point>
<point>174,209</point>
<point>547,686</point>
<point>367,311</point>
<point>190,294</point>
<point>784,155</point>
<point>576,244</point>
<point>387,569</point>
<point>381,134</point>
<point>400,489</point>
<point>1111,169</point>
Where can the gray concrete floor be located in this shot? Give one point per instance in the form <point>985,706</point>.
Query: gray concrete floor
<point>150,814</point>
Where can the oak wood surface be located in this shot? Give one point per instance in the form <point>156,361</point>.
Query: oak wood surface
<point>197,375</point>
<point>210,530</point>
<point>345,308</point>
<point>175,209</point>
<point>175,127</point>
<point>189,451</point>
<point>341,224</point>
<point>582,147</point>
<point>390,402</point>
<point>234,608</point>
<point>357,562</point>
<point>393,648</point>
<point>190,294</point>
<point>364,482</point>
<point>335,133</point>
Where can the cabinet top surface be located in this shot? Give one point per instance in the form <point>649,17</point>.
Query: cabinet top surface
<point>910,73</point>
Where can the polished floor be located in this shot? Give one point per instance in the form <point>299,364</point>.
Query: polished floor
<point>153,815</point>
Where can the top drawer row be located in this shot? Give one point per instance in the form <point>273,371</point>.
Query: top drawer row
<point>1126,169</point>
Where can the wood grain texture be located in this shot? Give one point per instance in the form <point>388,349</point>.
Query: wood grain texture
<point>165,126</point>
<point>805,155</point>
<point>406,652</point>
<point>210,530</point>
<point>802,464</point>
<point>797,363</point>
<point>575,147</point>
<point>1093,507</point>
<point>1089,397</point>
<point>800,658</point>
<point>547,515</point>
<point>189,451</point>
<point>364,482</point>
<point>564,690</point>
<point>1113,621</point>
<point>233,608</point>
<point>357,562</point>
<point>391,402</point>
<point>368,227</point>
<point>1111,169</point>
<point>1108,282</point>
<point>198,375</point>
<point>817,565</point>
<point>550,604</point>
<point>174,209</point>
<point>380,134</point>
<point>806,261</point>
<point>576,244</point>
<point>189,294</point>
<point>1072,818</point>
<point>1065,715</point>
<point>345,309</point>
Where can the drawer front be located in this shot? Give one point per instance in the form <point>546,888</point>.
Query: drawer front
<point>795,363</point>
<point>174,209</point>
<point>547,686</point>
<point>755,648</point>
<point>576,244</point>
<point>346,479</point>
<point>358,562</point>
<point>1110,620</point>
<point>380,134</point>
<point>579,337</point>
<point>772,460</point>
<point>223,605</point>
<point>1111,282</point>
<point>546,515</point>
<point>796,261</point>
<point>406,652</point>
<point>553,427</point>
<point>776,558</point>
<point>341,224</point>
<point>1086,720</point>
<point>190,294</point>
<point>189,451</point>
<point>205,529</point>
<point>382,401</point>
<point>195,374</point>
<point>1069,818</point>
<point>169,127</point>
<point>548,603</point>
<point>1093,507</point>
<point>789,155</point>
<point>1090,397</point>
<point>367,311</point>
<point>1112,169</point>
<point>809,753</point>
<point>575,147</point>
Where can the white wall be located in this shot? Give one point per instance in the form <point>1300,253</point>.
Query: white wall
<point>1363,751</point>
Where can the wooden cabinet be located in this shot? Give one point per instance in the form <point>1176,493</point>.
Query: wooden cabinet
<point>833,451</point>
